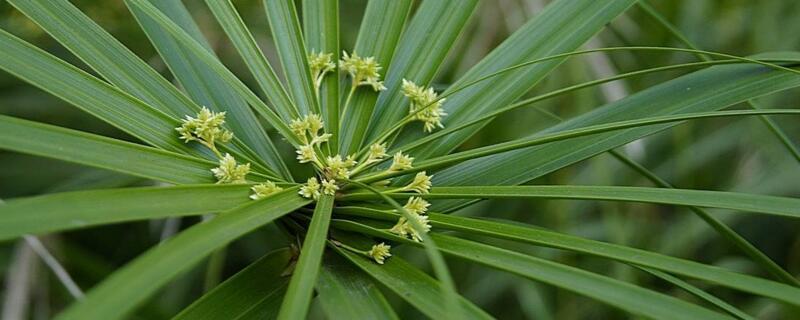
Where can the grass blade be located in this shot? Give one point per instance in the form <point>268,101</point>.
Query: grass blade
<point>204,84</point>
<point>254,290</point>
<point>633,299</point>
<point>380,30</point>
<point>346,293</point>
<point>88,93</point>
<point>421,51</point>
<point>543,237</point>
<point>697,292</point>
<point>255,60</point>
<point>321,30</point>
<point>414,286</point>
<point>110,58</point>
<point>212,62</point>
<point>70,210</point>
<point>121,292</point>
<point>285,27</point>
<point>301,287</point>
<point>513,145</point>
<point>562,26</point>
<point>782,206</point>
<point>97,151</point>
<point>710,89</point>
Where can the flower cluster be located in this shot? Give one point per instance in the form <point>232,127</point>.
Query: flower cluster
<point>401,162</point>
<point>416,207</point>
<point>307,131</point>
<point>425,105</point>
<point>231,172</point>
<point>420,184</point>
<point>264,190</point>
<point>339,168</point>
<point>362,70</point>
<point>207,129</point>
<point>320,64</point>
<point>379,252</point>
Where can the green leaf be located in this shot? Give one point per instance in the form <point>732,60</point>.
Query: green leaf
<point>414,286</point>
<point>562,26</point>
<point>110,58</point>
<point>204,83</point>
<point>700,294</point>
<point>212,62</point>
<point>633,299</point>
<point>88,93</point>
<point>542,237</point>
<point>346,293</point>
<point>101,152</point>
<point>301,287</point>
<point>256,290</point>
<point>710,89</point>
<point>380,29</point>
<point>253,57</point>
<point>285,27</point>
<point>421,51</point>
<point>70,210</point>
<point>321,30</point>
<point>131,285</point>
<point>536,140</point>
<point>782,206</point>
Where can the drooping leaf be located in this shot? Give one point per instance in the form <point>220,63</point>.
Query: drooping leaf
<point>129,286</point>
<point>543,237</point>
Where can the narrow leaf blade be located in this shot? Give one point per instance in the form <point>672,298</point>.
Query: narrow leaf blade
<point>301,287</point>
<point>101,152</point>
<point>121,292</point>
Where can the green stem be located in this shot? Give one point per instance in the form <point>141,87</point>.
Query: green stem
<point>347,102</point>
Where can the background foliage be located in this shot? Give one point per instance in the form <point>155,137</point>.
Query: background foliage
<point>733,154</point>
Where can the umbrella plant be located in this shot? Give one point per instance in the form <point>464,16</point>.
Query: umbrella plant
<point>383,151</point>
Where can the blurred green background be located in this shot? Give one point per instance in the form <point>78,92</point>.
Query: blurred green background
<point>722,154</point>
